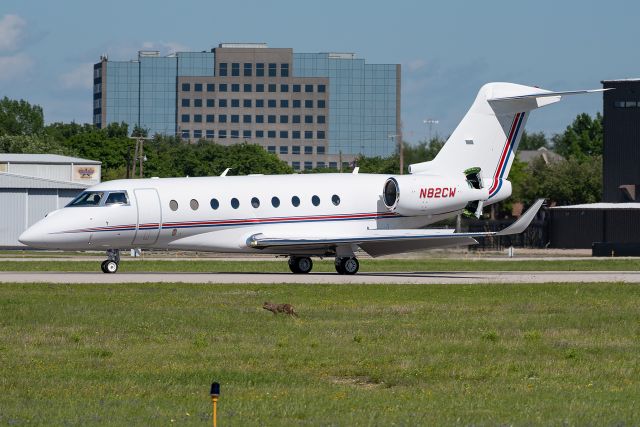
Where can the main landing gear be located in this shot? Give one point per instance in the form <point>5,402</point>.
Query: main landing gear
<point>110,265</point>
<point>344,265</point>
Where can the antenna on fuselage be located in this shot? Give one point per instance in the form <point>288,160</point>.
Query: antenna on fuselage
<point>225,172</point>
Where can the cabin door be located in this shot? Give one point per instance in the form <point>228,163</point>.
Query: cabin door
<point>149,216</point>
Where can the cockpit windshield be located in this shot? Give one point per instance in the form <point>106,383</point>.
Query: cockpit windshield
<point>87,198</point>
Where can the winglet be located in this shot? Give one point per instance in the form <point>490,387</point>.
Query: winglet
<point>523,222</point>
<point>226,171</point>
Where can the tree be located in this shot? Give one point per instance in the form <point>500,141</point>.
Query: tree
<point>533,141</point>
<point>582,138</point>
<point>20,118</point>
<point>30,144</point>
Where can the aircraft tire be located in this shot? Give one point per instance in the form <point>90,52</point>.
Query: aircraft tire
<point>300,265</point>
<point>339,267</point>
<point>110,266</point>
<point>347,265</point>
<point>102,266</point>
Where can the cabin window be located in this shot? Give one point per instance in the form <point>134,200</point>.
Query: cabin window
<point>117,198</point>
<point>315,200</point>
<point>255,202</point>
<point>295,201</point>
<point>235,203</point>
<point>335,199</point>
<point>275,202</point>
<point>87,198</point>
<point>173,205</point>
<point>194,204</point>
<point>214,204</point>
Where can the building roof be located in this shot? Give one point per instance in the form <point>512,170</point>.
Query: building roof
<point>601,206</point>
<point>11,180</point>
<point>621,80</point>
<point>44,158</point>
<point>549,156</point>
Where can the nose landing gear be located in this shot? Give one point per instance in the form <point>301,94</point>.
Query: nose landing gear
<point>110,265</point>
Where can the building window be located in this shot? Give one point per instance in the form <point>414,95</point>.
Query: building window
<point>210,103</point>
<point>271,119</point>
<point>173,205</point>
<point>197,134</point>
<point>295,149</point>
<point>211,87</point>
<point>315,199</point>
<point>259,118</point>
<point>295,119</point>
<point>272,88</point>
<point>260,134</point>
<point>185,134</point>
<point>284,70</point>
<point>209,118</point>
<point>184,118</point>
<point>186,87</point>
<point>308,103</point>
<point>260,69</point>
<point>320,119</point>
<point>248,68</point>
<point>308,88</point>
<point>322,104</point>
<point>246,134</point>
<point>308,134</point>
<point>246,118</point>
<point>296,88</point>
<point>271,134</point>
<point>197,118</point>
<point>295,134</point>
<point>235,134</point>
<point>308,166</point>
<point>222,87</point>
<point>295,165</point>
<point>255,202</point>
<point>235,87</point>
<point>322,88</point>
<point>259,103</point>
<point>321,135</point>
<point>271,149</point>
<point>185,102</point>
<point>284,134</point>
<point>197,87</point>
<point>308,119</point>
<point>284,149</point>
<point>260,87</point>
<point>320,149</point>
<point>308,149</point>
<point>284,103</point>
<point>222,118</point>
<point>246,103</point>
<point>235,204</point>
<point>295,200</point>
<point>271,103</point>
<point>284,88</point>
<point>320,165</point>
<point>222,68</point>
<point>197,102</point>
<point>272,70</point>
<point>222,103</point>
<point>296,103</point>
<point>247,87</point>
<point>235,69</point>
<point>222,134</point>
<point>235,118</point>
<point>214,204</point>
<point>210,134</point>
<point>334,165</point>
<point>235,103</point>
<point>284,119</point>
<point>275,202</point>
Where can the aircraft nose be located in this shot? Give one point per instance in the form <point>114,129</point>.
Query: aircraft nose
<point>31,237</point>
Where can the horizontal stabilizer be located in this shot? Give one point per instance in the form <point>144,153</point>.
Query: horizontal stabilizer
<point>547,94</point>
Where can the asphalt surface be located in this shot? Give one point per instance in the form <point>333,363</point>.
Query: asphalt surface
<point>444,277</point>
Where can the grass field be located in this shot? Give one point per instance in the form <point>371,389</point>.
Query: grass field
<point>366,265</point>
<point>556,354</point>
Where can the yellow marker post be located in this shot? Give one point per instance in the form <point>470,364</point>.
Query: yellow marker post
<point>215,393</point>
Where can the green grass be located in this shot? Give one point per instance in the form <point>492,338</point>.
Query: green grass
<point>544,354</point>
<point>366,265</point>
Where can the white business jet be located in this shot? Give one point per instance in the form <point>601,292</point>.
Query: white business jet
<point>316,215</point>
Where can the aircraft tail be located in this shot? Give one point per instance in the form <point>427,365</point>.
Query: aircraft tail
<point>485,141</point>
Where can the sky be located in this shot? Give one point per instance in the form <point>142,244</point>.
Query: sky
<point>448,49</point>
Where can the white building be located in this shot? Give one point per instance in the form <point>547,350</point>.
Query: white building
<point>32,185</point>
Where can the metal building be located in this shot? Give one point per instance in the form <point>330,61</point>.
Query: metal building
<point>31,185</point>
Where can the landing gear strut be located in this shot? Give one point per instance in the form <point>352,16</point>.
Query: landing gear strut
<point>110,265</point>
<point>347,265</point>
<point>300,265</point>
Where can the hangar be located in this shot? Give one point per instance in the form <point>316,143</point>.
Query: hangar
<point>31,185</point>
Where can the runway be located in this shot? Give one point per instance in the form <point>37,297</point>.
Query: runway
<point>426,278</point>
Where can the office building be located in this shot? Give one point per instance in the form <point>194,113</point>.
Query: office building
<point>311,109</point>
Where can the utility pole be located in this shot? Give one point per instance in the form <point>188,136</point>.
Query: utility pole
<point>138,156</point>
<point>398,138</point>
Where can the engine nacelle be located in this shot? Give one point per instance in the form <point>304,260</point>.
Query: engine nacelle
<point>429,194</point>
